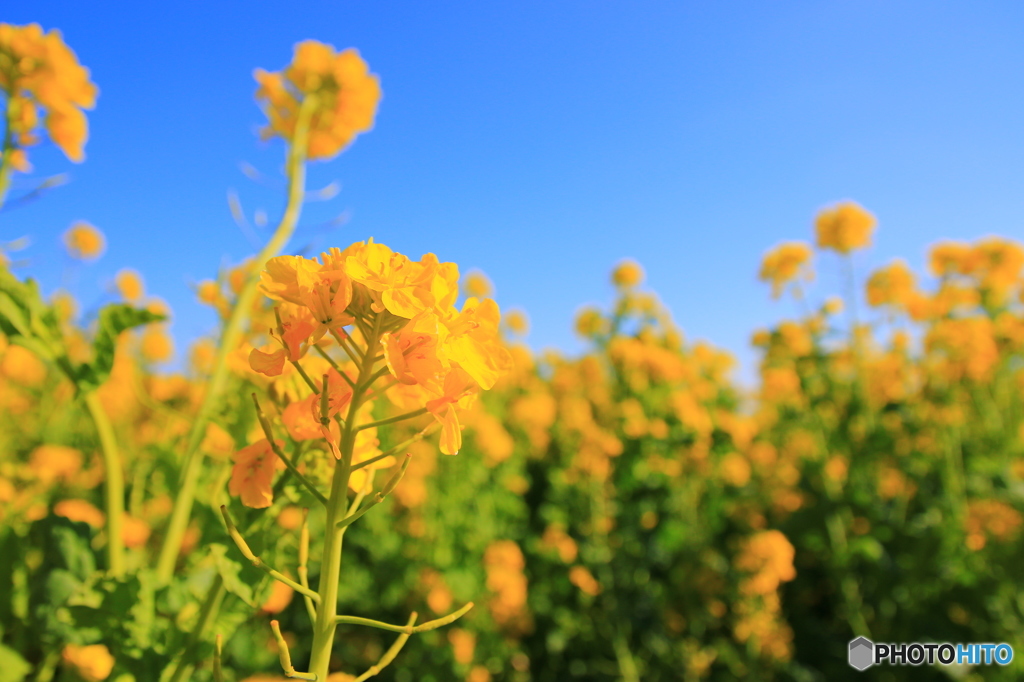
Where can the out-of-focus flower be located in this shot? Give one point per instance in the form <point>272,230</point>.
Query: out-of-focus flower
<point>584,579</point>
<point>93,662</point>
<point>346,97</point>
<point>55,462</point>
<point>891,285</point>
<point>252,477</point>
<point>38,71</point>
<point>279,598</point>
<point>844,228</point>
<point>84,241</point>
<point>476,284</point>
<point>80,510</point>
<point>130,285</point>
<point>627,274</point>
<point>786,263</point>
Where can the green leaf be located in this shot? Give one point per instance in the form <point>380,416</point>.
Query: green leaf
<point>229,570</point>
<point>114,319</point>
<point>13,668</point>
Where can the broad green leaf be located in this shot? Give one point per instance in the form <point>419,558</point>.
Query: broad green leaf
<point>13,668</point>
<point>229,570</point>
<point>113,320</point>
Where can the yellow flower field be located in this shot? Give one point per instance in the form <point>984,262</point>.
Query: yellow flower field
<point>367,472</point>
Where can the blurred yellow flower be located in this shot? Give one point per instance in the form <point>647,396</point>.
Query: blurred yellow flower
<point>476,283</point>
<point>892,285</point>
<point>346,97</point>
<point>39,71</point>
<point>21,366</point>
<point>52,462</point>
<point>84,242</point>
<point>80,510</point>
<point>786,263</point>
<point>584,579</point>
<point>130,285</point>
<point>252,476</point>
<point>845,227</point>
<point>135,532</point>
<point>628,273</point>
<point>463,645</point>
<point>517,322</point>
<point>93,662</point>
<point>279,598</point>
<point>156,344</point>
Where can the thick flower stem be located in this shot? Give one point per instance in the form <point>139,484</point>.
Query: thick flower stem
<point>113,491</point>
<point>232,336</point>
<point>337,509</point>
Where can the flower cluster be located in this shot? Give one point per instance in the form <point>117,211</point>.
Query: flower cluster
<point>346,97</point>
<point>39,73</point>
<point>844,228</point>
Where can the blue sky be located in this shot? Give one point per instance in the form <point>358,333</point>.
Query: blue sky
<point>543,141</point>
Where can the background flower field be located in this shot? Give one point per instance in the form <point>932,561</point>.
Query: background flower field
<point>632,512</point>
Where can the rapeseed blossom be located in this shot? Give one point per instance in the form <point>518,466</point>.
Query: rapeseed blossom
<point>84,241</point>
<point>845,227</point>
<point>346,97</point>
<point>40,75</point>
<point>786,263</point>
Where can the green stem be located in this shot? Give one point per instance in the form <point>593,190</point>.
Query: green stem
<point>113,486</point>
<point>256,561</point>
<point>232,337</point>
<point>392,420</point>
<point>337,508</point>
<point>408,629</point>
<point>390,654</point>
<point>6,166</point>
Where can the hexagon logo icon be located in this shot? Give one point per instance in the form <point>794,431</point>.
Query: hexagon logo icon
<point>862,652</point>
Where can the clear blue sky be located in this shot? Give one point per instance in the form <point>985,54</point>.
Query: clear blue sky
<point>543,141</point>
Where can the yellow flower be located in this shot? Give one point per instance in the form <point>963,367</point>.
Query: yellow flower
<point>217,442</point>
<point>129,285</point>
<point>476,284</point>
<point>949,258</point>
<point>463,645</point>
<point>39,71</point>
<point>52,462</point>
<point>209,292</point>
<point>135,532</point>
<point>845,227</point>
<point>891,285</point>
<point>252,476</point>
<point>735,469</point>
<point>279,598</point>
<point>584,579</point>
<point>80,510</point>
<point>21,366</point>
<point>473,342</point>
<point>157,344</point>
<point>270,364</point>
<point>94,662</point>
<point>786,263</point>
<point>84,241</point>
<point>346,97</point>
<point>627,274</point>
<point>517,322</point>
